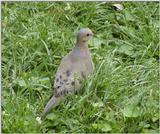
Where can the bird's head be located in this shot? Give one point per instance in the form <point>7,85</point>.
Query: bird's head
<point>84,35</point>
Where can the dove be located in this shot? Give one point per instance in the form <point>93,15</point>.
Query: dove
<point>74,67</point>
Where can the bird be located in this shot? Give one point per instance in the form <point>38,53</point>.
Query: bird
<point>74,67</point>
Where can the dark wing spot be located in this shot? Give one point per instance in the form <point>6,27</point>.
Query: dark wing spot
<point>57,80</point>
<point>65,92</point>
<point>65,80</point>
<point>57,95</point>
<point>58,86</point>
<point>68,73</point>
<point>73,83</point>
<point>61,93</point>
<point>60,77</point>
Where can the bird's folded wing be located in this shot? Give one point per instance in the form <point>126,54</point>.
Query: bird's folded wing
<point>65,81</point>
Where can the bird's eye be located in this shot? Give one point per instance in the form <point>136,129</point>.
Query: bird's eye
<point>88,34</point>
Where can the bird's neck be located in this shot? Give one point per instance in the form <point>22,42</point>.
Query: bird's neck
<point>81,49</point>
<point>82,45</point>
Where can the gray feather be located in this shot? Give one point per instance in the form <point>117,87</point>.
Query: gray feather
<point>53,102</point>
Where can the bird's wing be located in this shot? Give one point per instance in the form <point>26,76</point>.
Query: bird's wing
<point>65,81</point>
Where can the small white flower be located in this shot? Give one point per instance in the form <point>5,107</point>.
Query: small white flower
<point>118,7</point>
<point>38,119</point>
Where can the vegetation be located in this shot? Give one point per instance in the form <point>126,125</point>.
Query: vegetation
<point>123,93</point>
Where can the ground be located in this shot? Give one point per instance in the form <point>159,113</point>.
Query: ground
<point>123,93</point>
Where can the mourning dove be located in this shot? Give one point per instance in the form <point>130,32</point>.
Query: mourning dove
<point>73,68</point>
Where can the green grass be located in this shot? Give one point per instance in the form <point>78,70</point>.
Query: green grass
<point>123,93</point>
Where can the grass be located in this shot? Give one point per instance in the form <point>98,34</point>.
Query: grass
<point>123,93</point>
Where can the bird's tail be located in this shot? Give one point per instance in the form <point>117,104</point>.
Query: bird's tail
<point>53,102</point>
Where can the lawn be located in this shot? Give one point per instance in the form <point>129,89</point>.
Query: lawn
<point>123,93</point>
